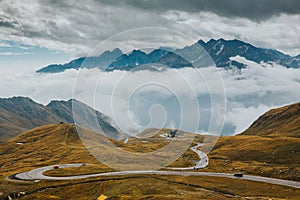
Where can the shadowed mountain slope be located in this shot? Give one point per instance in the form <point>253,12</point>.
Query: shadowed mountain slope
<point>19,114</point>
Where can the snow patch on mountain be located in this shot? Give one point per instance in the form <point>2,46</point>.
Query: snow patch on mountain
<point>220,50</point>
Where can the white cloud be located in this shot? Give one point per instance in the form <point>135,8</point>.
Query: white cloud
<point>249,92</point>
<point>241,117</point>
<point>14,53</point>
<point>278,32</point>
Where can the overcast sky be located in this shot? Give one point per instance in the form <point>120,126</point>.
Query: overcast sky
<point>35,33</point>
<point>76,27</point>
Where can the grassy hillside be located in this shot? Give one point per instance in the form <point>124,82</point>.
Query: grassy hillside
<point>54,144</point>
<point>280,121</point>
<point>276,157</point>
<point>269,147</point>
<point>19,114</point>
<point>43,146</point>
<point>60,143</point>
<point>273,152</point>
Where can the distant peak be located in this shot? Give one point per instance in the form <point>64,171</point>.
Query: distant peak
<point>70,100</point>
<point>160,50</point>
<point>166,49</point>
<point>201,42</point>
<point>138,51</point>
<point>236,40</point>
<point>114,51</point>
<point>117,50</point>
<point>223,40</point>
<point>73,100</point>
<point>19,98</point>
<point>211,41</point>
<point>55,102</point>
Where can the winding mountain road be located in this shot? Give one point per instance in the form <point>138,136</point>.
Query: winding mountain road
<point>37,174</point>
<point>202,163</point>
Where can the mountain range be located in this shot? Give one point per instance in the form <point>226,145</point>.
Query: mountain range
<point>220,53</point>
<point>19,114</point>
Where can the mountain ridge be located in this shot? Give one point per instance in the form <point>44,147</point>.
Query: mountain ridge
<point>19,114</point>
<point>231,48</point>
<point>101,61</point>
<point>220,51</point>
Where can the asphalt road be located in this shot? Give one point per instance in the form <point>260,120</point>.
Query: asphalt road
<point>37,174</point>
<point>202,163</point>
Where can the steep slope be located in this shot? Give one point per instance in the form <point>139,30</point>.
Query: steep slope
<point>269,147</point>
<point>19,114</point>
<point>174,60</point>
<point>84,115</point>
<point>284,121</point>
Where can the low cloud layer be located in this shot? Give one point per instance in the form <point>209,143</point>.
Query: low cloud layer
<point>169,97</point>
<point>77,28</point>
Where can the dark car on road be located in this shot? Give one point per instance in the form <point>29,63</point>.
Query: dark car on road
<point>238,175</point>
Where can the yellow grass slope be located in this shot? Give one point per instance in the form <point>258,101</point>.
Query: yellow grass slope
<point>45,145</point>
<point>270,147</point>
<point>279,121</point>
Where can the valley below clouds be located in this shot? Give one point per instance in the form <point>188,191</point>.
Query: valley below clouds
<point>199,100</point>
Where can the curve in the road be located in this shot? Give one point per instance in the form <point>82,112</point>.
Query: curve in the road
<point>202,163</point>
<point>37,174</point>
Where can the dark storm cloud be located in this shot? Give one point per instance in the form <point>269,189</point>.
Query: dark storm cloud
<point>252,9</point>
<point>75,26</point>
<point>7,23</point>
